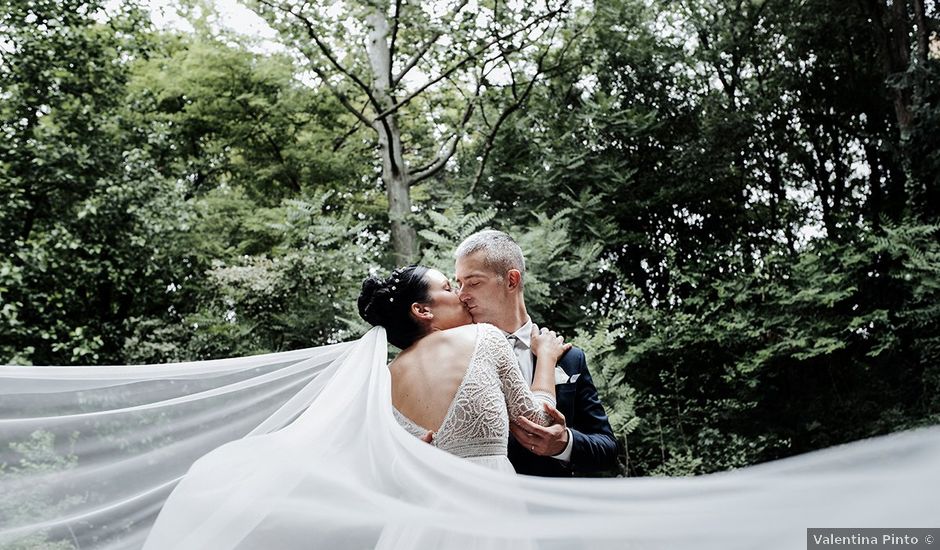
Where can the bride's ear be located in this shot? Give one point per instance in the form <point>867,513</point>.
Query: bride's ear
<point>421,312</point>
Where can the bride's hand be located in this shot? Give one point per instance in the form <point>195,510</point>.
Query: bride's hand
<point>546,343</point>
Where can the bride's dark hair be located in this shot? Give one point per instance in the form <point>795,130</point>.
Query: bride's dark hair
<point>387,303</point>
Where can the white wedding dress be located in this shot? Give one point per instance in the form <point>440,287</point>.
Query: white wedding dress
<point>302,450</point>
<point>476,425</point>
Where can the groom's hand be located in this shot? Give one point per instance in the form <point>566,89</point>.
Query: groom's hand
<point>542,440</point>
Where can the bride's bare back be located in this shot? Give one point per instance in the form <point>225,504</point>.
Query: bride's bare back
<point>426,376</point>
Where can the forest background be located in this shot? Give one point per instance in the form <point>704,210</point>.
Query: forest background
<point>731,205</point>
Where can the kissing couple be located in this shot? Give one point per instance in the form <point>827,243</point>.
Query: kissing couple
<point>475,368</point>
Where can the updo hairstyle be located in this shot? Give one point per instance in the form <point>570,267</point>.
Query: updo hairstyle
<point>387,303</point>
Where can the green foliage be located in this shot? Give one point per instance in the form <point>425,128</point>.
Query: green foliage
<point>85,204</point>
<point>446,230</point>
<point>139,187</point>
<point>556,268</point>
<point>243,119</point>
<point>608,369</point>
<point>296,288</point>
<point>796,355</point>
<point>767,288</point>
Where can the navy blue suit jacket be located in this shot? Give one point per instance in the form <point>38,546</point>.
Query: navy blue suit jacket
<point>594,448</point>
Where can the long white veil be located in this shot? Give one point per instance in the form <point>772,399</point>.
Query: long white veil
<point>92,453</point>
<point>88,455</point>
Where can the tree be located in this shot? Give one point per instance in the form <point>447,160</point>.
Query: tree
<point>83,202</point>
<point>370,55</point>
<point>143,171</point>
<point>242,119</point>
<point>268,199</point>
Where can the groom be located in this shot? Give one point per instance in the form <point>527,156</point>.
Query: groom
<point>490,273</point>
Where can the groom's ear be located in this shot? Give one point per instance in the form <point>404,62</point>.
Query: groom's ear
<point>514,277</point>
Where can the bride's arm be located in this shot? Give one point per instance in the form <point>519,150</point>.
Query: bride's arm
<point>548,348</point>
<point>521,401</point>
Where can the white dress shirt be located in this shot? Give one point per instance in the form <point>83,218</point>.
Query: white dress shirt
<point>521,341</point>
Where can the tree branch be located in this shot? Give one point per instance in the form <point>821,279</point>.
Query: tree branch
<point>423,49</point>
<point>338,142</point>
<point>327,52</point>
<point>343,99</point>
<point>391,45</point>
<point>448,152</point>
<point>512,73</point>
<point>416,57</point>
<point>483,115</point>
<point>491,138</point>
<point>473,55</point>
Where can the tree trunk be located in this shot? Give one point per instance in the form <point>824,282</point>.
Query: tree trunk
<point>900,61</point>
<point>923,35</point>
<point>394,170</point>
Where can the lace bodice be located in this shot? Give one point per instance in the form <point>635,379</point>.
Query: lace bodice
<point>492,392</point>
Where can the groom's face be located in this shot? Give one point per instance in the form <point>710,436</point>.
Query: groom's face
<point>480,289</point>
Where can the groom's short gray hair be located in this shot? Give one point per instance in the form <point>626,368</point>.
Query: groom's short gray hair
<point>500,251</point>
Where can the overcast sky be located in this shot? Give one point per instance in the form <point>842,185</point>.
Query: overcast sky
<point>232,14</point>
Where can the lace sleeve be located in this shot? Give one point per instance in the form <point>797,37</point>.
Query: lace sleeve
<point>520,399</point>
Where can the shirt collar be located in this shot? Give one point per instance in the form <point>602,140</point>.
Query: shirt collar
<point>524,333</point>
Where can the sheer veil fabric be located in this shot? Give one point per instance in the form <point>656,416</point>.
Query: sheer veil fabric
<point>301,450</point>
